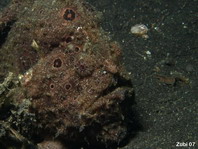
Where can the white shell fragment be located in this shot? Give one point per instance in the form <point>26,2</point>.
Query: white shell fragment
<point>35,45</point>
<point>140,30</point>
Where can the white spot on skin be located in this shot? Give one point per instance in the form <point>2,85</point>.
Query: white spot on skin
<point>79,28</point>
<point>104,72</point>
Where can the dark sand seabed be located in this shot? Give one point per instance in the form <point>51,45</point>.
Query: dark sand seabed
<point>166,112</point>
<point>163,68</point>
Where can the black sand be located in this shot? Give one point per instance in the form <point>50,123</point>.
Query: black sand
<point>167,113</point>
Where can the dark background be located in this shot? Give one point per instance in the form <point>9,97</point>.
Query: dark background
<point>166,81</point>
<point>167,112</point>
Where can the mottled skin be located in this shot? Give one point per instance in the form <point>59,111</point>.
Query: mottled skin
<point>68,68</point>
